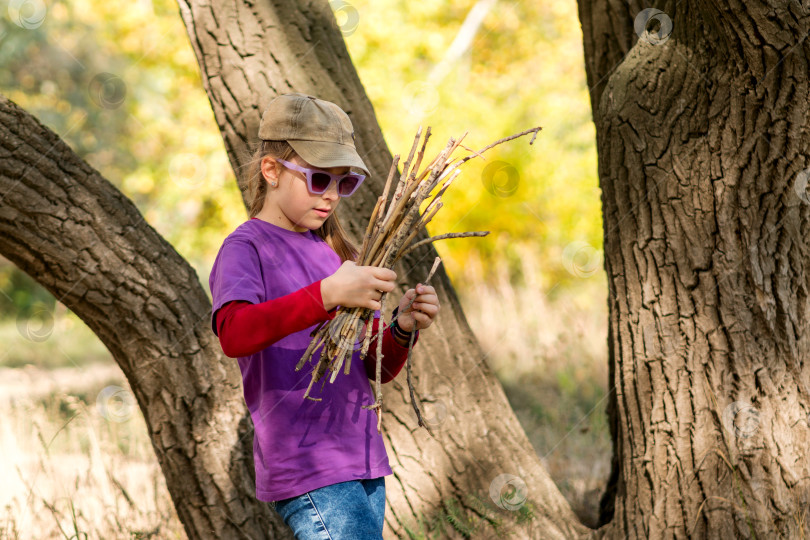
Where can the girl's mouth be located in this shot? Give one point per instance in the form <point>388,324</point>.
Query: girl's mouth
<point>322,213</point>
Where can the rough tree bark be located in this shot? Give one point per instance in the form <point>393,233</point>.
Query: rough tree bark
<point>703,156</point>
<point>84,241</point>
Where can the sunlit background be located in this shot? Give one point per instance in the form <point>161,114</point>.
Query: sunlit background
<point>120,84</point>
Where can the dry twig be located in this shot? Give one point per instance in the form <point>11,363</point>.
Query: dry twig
<point>387,238</point>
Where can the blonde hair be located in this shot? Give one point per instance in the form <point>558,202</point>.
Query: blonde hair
<point>331,231</point>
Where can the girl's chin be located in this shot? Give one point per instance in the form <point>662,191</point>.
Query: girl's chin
<point>308,224</point>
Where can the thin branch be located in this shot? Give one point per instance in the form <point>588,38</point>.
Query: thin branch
<point>389,235</point>
<point>442,237</point>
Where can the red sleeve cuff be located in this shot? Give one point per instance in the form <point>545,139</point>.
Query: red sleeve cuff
<point>314,293</point>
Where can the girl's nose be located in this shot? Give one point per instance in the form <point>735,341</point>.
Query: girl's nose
<point>331,192</point>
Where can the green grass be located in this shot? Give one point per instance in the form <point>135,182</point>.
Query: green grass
<point>49,339</point>
<point>477,517</point>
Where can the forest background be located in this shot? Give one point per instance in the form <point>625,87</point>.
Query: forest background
<point>120,84</point>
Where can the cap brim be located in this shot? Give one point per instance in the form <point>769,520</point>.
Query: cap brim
<point>328,154</point>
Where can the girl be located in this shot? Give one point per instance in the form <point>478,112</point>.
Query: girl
<point>321,464</point>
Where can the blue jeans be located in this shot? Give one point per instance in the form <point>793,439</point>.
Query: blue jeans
<point>352,510</point>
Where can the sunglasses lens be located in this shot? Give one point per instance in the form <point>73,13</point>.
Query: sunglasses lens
<point>348,184</point>
<point>320,182</point>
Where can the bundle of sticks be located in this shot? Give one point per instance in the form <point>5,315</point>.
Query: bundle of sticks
<point>389,235</point>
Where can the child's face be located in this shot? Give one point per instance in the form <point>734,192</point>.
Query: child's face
<point>290,204</point>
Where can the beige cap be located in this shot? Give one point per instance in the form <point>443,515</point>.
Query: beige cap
<point>319,131</point>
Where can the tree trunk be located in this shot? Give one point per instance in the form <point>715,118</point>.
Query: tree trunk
<point>703,156</point>
<point>84,241</point>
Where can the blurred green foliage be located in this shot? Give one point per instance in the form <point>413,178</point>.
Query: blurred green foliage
<point>523,68</point>
<point>20,295</point>
<point>119,82</point>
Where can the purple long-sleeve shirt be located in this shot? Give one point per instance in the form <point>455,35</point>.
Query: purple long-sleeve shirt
<point>299,444</point>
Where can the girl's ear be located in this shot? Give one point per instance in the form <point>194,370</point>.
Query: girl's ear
<point>269,168</point>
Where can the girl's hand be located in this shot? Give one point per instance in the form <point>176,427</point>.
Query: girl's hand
<point>422,311</point>
<point>357,286</point>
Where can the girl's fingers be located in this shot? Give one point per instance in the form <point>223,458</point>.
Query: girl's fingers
<point>421,315</point>
<point>426,301</point>
<point>425,308</point>
<point>430,300</point>
<point>386,286</point>
<point>424,305</point>
<point>421,321</point>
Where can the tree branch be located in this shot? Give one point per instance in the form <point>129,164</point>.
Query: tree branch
<point>83,240</point>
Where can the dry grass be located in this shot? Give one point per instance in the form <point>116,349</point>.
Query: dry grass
<point>69,472</point>
<point>551,357</point>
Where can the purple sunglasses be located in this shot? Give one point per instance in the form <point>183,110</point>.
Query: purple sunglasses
<point>318,181</point>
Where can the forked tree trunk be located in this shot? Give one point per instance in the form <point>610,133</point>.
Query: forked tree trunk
<point>84,241</point>
<point>702,144</point>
